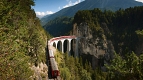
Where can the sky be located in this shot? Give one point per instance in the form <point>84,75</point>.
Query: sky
<point>46,7</point>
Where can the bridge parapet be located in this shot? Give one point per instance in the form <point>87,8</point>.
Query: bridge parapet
<point>62,37</point>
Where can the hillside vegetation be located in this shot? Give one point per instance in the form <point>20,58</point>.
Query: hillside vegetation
<point>125,26</point>
<point>22,40</point>
<point>125,31</point>
<point>59,26</point>
<point>127,68</point>
<point>73,68</point>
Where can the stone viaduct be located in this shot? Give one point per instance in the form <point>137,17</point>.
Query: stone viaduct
<point>65,44</point>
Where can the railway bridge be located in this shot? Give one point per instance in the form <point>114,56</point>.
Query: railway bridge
<point>65,44</point>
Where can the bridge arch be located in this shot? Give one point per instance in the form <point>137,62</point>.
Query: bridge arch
<point>65,44</point>
<point>59,46</point>
<point>73,47</point>
<point>55,45</point>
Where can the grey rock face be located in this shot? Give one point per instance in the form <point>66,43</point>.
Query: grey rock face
<point>96,47</point>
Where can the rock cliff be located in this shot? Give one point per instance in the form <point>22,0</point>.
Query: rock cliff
<point>91,47</point>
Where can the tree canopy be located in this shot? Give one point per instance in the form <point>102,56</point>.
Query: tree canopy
<point>22,39</point>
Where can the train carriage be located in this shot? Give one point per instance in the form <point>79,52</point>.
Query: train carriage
<point>54,68</point>
<point>51,54</point>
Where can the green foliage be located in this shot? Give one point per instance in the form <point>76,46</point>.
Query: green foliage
<point>74,69</point>
<point>126,68</point>
<point>22,39</point>
<point>123,26</point>
<point>98,74</point>
<point>65,73</point>
<point>60,25</point>
<point>14,66</point>
<point>140,34</point>
<point>85,17</point>
<point>120,68</point>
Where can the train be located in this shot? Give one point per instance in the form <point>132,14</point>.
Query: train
<point>51,54</point>
<point>53,65</point>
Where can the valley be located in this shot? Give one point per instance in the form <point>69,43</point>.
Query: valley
<point>108,35</point>
<point>88,40</point>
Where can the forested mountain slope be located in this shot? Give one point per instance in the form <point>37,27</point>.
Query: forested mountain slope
<point>105,33</point>
<point>91,4</point>
<point>22,40</point>
<point>59,26</point>
<point>121,27</point>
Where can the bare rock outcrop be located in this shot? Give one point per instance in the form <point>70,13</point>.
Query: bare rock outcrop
<point>89,44</point>
<point>40,72</point>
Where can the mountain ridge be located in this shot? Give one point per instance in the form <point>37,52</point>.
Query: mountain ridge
<point>91,4</point>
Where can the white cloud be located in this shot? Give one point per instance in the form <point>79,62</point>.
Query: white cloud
<point>70,3</point>
<point>59,8</point>
<point>139,0</point>
<point>41,14</point>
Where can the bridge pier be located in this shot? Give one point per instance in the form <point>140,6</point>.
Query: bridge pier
<point>62,46</point>
<point>56,42</point>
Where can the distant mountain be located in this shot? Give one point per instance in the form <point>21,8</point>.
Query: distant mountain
<point>59,26</point>
<point>91,4</point>
<point>44,18</point>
